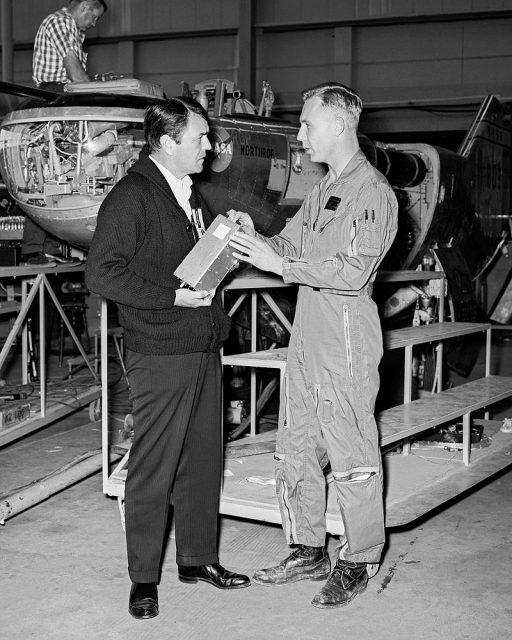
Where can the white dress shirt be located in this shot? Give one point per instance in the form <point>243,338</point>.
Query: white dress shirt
<point>182,190</point>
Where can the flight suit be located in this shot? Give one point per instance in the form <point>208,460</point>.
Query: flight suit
<point>332,248</point>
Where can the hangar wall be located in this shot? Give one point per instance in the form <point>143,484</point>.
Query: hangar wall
<point>391,51</point>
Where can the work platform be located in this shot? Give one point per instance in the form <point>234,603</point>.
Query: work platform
<point>414,484</point>
<point>417,479</point>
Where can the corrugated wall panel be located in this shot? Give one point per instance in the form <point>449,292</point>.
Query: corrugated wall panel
<point>305,11</point>
<point>489,38</point>
<point>168,62</point>
<point>285,60</point>
<point>387,49</point>
<point>23,67</point>
<point>449,6</point>
<point>139,17</point>
<point>191,54</point>
<point>294,48</point>
<point>28,15</point>
<point>473,5</point>
<point>406,42</point>
<point>411,80</point>
<point>490,75</point>
<point>287,90</point>
<point>133,16</point>
<point>103,58</point>
<point>157,16</point>
<point>432,60</point>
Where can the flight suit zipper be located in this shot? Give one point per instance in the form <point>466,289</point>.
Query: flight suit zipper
<point>348,347</point>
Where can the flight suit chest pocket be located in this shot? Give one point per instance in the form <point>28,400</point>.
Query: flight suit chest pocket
<point>333,220</point>
<point>368,233</point>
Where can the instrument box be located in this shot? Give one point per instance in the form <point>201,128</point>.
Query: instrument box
<point>211,259</point>
<point>10,253</point>
<point>126,86</point>
<point>12,413</point>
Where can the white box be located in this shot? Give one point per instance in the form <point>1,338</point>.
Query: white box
<point>211,259</point>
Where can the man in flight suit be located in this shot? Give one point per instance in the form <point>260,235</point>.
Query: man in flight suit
<point>332,248</point>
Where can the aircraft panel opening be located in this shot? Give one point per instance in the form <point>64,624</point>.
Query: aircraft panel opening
<point>59,170</point>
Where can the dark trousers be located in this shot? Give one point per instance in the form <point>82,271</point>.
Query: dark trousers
<point>57,87</point>
<point>36,240</point>
<point>175,458</point>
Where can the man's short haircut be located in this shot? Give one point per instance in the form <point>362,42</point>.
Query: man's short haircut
<point>169,117</point>
<point>93,4</point>
<point>338,97</point>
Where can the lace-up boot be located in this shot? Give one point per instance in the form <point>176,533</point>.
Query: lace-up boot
<point>347,579</point>
<point>304,563</point>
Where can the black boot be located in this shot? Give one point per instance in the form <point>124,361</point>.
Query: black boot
<point>347,579</point>
<point>304,563</point>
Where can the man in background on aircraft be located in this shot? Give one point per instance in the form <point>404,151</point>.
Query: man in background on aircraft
<point>331,248</point>
<point>58,58</point>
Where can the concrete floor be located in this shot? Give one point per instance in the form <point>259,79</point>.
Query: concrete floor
<point>64,567</point>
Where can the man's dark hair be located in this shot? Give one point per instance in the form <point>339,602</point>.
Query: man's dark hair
<point>169,117</point>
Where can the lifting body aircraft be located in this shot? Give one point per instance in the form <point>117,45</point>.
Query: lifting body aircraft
<point>60,154</point>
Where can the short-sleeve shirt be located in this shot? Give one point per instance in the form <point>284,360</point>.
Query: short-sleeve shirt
<point>57,35</point>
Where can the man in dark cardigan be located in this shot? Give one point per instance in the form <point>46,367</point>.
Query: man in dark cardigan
<point>146,226</point>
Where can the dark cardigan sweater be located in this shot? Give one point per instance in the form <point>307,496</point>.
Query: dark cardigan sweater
<point>142,235</point>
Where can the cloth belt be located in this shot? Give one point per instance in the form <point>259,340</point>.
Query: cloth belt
<point>364,292</point>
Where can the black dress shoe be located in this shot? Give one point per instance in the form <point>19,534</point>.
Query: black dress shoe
<point>143,600</point>
<point>213,574</point>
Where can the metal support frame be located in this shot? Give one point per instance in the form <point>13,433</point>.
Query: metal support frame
<point>32,287</point>
<point>106,454</point>
<point>252,286</point>
<point>408,359</point>
<point>38,286</point>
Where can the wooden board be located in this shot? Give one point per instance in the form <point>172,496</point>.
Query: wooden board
<point>420,415</point>
<point>430,477</point>
<point>393,339</point>
<point>69,396</point>
<point>408,336</point>
<point>415,484</point>
<point>268,359</point>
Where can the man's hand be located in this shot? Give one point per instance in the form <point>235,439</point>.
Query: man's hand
<point>74,68</point>
<point>256,252</point>
<point>244,219</point>
<point>193,299</point>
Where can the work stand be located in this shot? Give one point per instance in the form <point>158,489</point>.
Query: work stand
<point>252,284</point>
<point>35,284</point>
<point>113,482</point>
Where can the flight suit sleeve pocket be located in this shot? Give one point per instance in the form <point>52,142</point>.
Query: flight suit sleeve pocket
<point>368,236</point>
